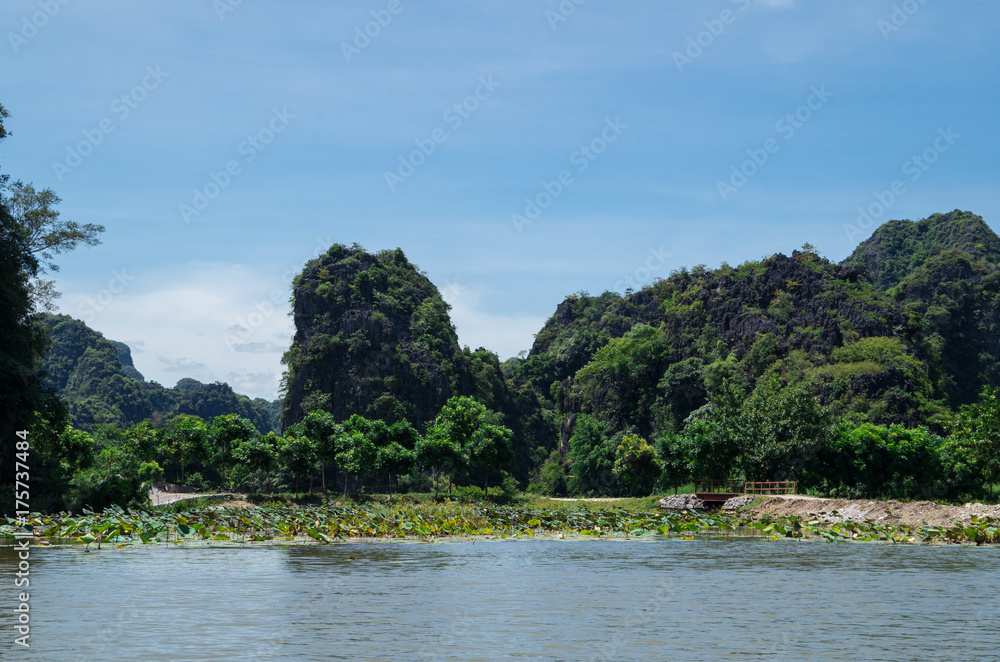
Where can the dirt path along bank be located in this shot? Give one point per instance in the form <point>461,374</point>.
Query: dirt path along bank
<point>913,513</point>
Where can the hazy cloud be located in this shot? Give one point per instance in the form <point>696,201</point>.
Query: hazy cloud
<point>505,335</point>
<point>257,347</point>
<point>183,364</point>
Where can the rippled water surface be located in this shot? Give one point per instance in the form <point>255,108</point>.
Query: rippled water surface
<point>735,599</point>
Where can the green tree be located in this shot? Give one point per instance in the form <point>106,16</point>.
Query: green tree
<point>490,448</point>
<point>440,455</point>
<point>322,429</point>
<point>35,212</point>
<point>592,458</point>
<point>636,462</point>
<point>141,440</point>
<point>183,441</point>
<point>356,453</point>
<point>621,379</point>
<point>21,336</point>
<point>259,455</point>
<point>224,437</point>
<point>549,477</point>
<point>714,449</point>
<point>468,426</point>
<point>977,432</point>
<point>299,456</point>
<point>75,450</point>
<point>778,427</point>
<point>395,459</point>
<point>23,239</point>
<point>57,455</point>
<point>870,460</point>
<point>117,478</point>
<point>676,452</point>
<point>397,452</point>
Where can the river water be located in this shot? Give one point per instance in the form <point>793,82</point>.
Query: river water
<point>704,599</point>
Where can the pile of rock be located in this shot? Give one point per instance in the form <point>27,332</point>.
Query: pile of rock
<point>682,502</point>
<point>737,502</point>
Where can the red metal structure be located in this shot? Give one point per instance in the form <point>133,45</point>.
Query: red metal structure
<point>770,487</point>
<point>717,492</point>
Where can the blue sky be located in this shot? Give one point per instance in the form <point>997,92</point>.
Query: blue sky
<point>619,130</point>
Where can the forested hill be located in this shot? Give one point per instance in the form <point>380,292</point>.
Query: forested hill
<point>900,332</point>
<point>97,380</point>
<point>903,331</point>
<point>373,337</point>
<point>945,273</point>
<point>899,251</point>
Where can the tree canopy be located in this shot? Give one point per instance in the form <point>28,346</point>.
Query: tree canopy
<point>34,211</point>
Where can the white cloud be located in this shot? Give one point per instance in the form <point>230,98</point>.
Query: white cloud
<point>251,383</point>
<point>506,335</point>
<point>210,322</point>
<point>184,365</point>
<point>257,347</point>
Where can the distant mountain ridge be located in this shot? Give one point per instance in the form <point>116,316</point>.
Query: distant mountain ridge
<point>99,383</point>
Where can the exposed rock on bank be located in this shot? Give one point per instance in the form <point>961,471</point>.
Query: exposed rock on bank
<point>681,502</point>
<point>738,502</point>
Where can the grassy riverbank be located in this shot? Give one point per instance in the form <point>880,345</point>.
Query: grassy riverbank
<point>426,519</point>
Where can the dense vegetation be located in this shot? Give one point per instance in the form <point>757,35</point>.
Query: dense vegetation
<point>74,469</point>
<point>327,522</point>
<point>845,377</point>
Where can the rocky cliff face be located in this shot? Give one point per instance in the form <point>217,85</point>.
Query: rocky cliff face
<point>899,250</point>
<point>945,272</point>
<point>373,337</point>
<point>783,315</point>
